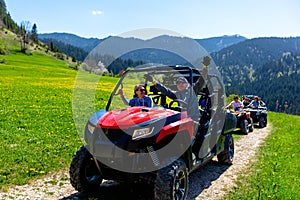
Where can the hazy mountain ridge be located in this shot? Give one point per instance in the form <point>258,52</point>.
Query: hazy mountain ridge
<point>215,44</point>
<point>86,44</point>
<point>210,44</point>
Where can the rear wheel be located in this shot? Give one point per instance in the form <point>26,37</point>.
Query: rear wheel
<point>262,122</point>
<point>251,126</point>
<point>226,156</point>
<point>84,174</point>
<point>172,181</point>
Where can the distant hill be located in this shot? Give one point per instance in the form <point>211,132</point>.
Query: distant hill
<point>73,51</point>
<point>237,63</point>
<point>256,52</point>
<point>215,44</point>
<point>210,44</point>
<point>268,67</point>
<point>86,44</point>
<point>278,80</point>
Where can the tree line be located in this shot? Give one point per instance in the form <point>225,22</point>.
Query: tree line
<point>26,31</point>
<point>277,82</point>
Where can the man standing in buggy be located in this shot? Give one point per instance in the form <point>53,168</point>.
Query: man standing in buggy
<point>183,93</point>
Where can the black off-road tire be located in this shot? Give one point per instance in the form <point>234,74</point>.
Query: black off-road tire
<point>251,126</point>
<point>172,182</point>
<point>261,122</point>
<point>244,126</point>
<point>226,156</point>
<point>84,174</point>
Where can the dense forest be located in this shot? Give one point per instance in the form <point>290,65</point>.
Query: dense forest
<point>73,51</point>
<point>279,80</point>
<point>275,81</point>
<point>6,20</point>
<point>268,67</point>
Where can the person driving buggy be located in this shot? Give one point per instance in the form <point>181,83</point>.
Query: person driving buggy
<point>183,93</point>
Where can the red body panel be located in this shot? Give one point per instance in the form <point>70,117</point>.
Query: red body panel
<point>184,124</point>
<point>126,118</point>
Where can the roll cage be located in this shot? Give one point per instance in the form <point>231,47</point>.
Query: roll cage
<point>210,90</point>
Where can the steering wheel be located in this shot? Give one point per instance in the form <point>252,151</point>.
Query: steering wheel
<point>181,105</point>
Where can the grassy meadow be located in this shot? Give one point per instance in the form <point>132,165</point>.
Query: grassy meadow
<point>37,131</point>
<point>276,174</point>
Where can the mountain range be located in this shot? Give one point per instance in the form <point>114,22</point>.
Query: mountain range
<point>212,44</point>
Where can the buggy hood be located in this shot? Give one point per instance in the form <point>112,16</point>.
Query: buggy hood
<point>138,116</point>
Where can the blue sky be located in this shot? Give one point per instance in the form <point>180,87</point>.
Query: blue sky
<point>192,18</point>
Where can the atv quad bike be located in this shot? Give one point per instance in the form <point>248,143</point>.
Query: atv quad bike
<point>160,145</point>
<point>244,121</point>
<point>259,116</point>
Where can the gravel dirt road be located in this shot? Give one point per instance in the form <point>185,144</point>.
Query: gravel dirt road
<point>210,182</point>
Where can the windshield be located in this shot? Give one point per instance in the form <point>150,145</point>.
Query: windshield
<point>125,88</point>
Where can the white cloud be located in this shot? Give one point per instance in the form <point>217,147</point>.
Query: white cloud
<point>97,12</point>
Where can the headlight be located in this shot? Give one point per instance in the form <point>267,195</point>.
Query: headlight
<point>91,128</point>
<point>141,133</point>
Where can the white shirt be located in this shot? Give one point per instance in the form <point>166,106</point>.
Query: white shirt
<point>236,105</point>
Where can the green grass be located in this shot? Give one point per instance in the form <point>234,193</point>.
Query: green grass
<point>37,131</point>
<point>276,174</point>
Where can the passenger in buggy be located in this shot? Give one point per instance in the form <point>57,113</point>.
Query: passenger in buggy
<point>140,97</point>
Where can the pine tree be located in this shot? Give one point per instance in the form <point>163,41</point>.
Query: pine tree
<point>2,8</point>
<point>2,13</point>
<point>6,18</point>
<point>34,34</point>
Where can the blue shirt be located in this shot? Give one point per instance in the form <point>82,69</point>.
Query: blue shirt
<point>254,104</point>
<point>145,101</point>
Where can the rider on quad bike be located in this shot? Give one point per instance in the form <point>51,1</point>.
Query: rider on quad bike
<point>159,145</point>
<point>258,111</point>
<point>244,120</point>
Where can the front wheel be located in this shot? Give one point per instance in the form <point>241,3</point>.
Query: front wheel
<point>172,181</point>
<point>84,174</point>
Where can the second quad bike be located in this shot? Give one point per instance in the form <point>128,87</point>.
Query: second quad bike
<point>245,122</point>
<point>159,145</point>
<point>259,116</point>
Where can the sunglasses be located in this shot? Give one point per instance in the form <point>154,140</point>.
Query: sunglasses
<point>142,90</point>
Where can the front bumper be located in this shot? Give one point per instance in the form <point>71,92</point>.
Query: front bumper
<point>123,154</point>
